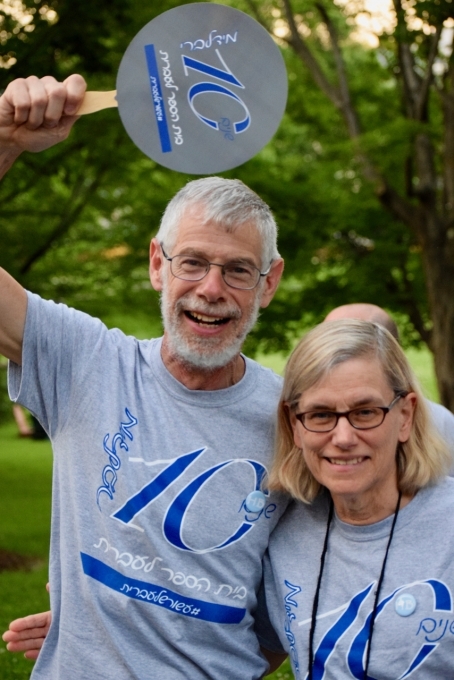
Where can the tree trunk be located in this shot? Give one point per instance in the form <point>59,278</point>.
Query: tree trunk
<point>439,270</point>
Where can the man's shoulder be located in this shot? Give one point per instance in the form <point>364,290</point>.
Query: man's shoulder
<point>440,412</point>
<point>42,311</point>
<point>267,380</point>
<point>264,373</point>
<point>443,420</point>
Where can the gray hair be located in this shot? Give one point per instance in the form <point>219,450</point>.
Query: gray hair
<point>227,202</point>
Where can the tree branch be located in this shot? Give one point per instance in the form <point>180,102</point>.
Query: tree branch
<point>79,197</point>
<point>421,109</point>
<point>27,160</point>
<point>447,97</point>
<point>302,50</point>
<point>417,320</point>
<point>346,104</point>
<point>426,190</point>
<point>411,80</point>
<point>397,206</point>
<point>259,16</point>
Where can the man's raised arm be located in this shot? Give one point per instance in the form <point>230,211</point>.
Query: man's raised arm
<point>13,307</point>
<point>36,113</point>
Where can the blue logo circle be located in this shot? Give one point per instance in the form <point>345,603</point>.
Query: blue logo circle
<point>405,604</point>
<point>255,501</point>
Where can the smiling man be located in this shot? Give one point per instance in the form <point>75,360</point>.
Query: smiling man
<point>159,522</point>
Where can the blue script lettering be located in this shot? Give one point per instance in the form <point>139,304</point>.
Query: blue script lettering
<point>429,627</point>
<point>266,511</point>
<point>109,475</point>
<point>201,44</point>
<point>289,603</point>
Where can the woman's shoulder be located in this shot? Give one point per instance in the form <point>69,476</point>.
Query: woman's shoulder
<point>441,492</point>
<point>301,520</point>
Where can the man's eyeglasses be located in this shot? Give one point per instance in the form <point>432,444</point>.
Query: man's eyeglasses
<point>236,274</point>
<point>364,418</point>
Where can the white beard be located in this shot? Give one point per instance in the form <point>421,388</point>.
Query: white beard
<point>204,353</point>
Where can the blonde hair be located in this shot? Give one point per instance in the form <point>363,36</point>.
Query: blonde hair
<point>421,460</point>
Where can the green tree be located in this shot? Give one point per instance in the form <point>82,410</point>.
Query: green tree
<point>76,220</point>
<point>394,105</point>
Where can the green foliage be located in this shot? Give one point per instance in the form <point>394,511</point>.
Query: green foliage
<point>25,490</point>
<point>76,220</point>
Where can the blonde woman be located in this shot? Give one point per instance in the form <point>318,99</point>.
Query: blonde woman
<point>359,579</point>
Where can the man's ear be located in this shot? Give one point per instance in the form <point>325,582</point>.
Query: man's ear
<point>271,282</point>
<point>156,264</point>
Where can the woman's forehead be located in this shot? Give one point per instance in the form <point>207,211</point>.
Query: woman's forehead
<point>356,378</point>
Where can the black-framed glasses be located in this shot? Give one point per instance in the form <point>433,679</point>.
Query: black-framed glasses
<point>363,418</point>
<point>236,274</point>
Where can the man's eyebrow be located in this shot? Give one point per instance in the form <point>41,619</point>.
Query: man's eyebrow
<point>200,253</point>
<point>191,251</point>
<point>243,260</point>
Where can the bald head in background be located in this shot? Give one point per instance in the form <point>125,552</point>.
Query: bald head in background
<point>364,311</point>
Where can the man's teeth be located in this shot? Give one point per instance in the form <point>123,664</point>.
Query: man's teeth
<point>343,461</point>
<point>201,318</point>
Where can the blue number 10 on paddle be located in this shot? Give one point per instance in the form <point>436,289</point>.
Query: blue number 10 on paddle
<point>201,88</point>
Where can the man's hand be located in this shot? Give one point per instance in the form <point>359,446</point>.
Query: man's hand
<point>28,634</point>
<point>36,113</point>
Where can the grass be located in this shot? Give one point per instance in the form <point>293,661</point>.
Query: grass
<point>25,490</point>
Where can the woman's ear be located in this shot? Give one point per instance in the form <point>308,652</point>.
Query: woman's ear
<point>295,426</point>
<point>407,414</point>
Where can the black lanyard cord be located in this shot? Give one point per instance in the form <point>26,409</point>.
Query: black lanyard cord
<point>377,591</point>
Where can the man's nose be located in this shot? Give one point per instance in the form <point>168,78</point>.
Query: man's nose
<point>212,286</point>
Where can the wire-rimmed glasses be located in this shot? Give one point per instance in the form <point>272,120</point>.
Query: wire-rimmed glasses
<point>239,273</point>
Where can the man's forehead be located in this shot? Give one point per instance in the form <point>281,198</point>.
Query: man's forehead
<point>196,231</point>
<point>198,213</point>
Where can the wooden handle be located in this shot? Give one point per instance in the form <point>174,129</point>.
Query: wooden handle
<point>96,101</point>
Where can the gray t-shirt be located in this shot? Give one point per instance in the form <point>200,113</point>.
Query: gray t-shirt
<point>444,422</point>
<point>414,628</point>
<point>155,560</point>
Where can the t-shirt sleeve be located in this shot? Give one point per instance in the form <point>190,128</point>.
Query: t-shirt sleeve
<point>266,634</point>
<point>60,347</point>
<point>444,422</point>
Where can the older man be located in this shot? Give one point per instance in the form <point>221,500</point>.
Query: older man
<point>364,311</point>
<point>159,523</point>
